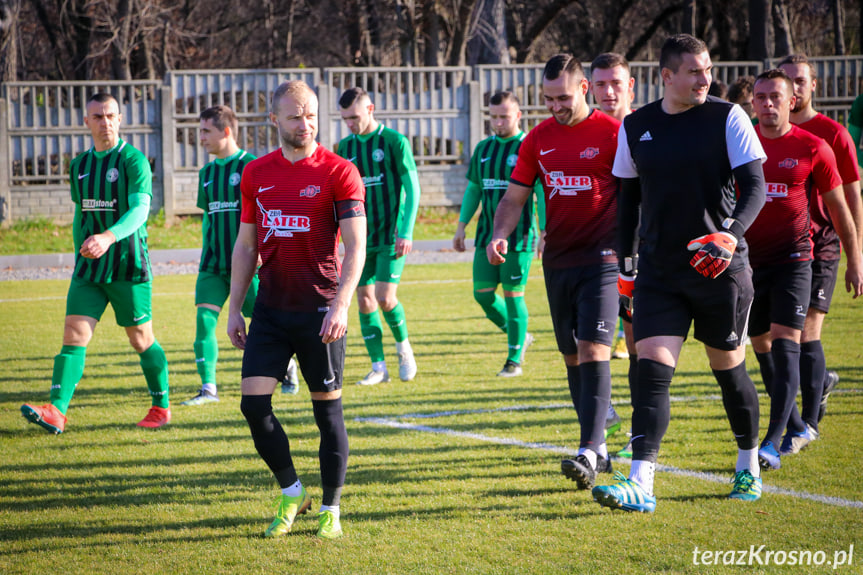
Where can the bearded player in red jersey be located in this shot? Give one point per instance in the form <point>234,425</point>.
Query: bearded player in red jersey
<point>572,154</point>
<point>816,382</point>
<point>799,166</point>
<point>297,200</point>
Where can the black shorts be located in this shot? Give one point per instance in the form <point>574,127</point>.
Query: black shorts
<point>781,296</point>
<point>824,275</point>
<point>276,335</point>
<point>583,303</point>
<point>668,305</point>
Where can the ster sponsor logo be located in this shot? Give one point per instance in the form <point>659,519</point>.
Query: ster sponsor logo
<point>788,163</point>
<point>215,207</point>
<point>262,189</point>
<point>82,176</point>
<point>646,137</point>
<point>310,191</point>
<point>589,153</point>
<point>93,205</point>
<point>282,226</point>
<point>776,191</point>
<point>566,185</point>
<point>544,152</point>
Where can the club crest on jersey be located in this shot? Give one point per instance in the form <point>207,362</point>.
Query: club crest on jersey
<point>113,175</point>
<point>511,160</point>
<point>282,226</point>
<point>566,185</point>
<point>589,153</point>
<point>234,179</point>
<point>776,191</point>
<point>788,163</point>
<point>310,191</point>
<point>378,155</point>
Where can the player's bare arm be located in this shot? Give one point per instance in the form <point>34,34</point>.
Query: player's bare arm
<point>855,206</point>
<point>505,219</point>
<point>844,225</point>
<point>335,324</point>
<point>244,262</point>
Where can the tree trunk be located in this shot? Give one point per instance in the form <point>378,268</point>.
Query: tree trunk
<point>688,26</point>
<point>784,43</point>
<point>121,44</point>
<point>463,29</point>
<point>406,20</point>
<point>758,34</point>
<point>488,43</point>
<point>838,28</point>
<point>432,31</point>
<point>9,11</point>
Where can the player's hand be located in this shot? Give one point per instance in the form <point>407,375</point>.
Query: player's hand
<point>403,247</point>
<point>335,324</point>
<point>96,245</point>
<point>237,330</point>
<point>496,250</point>
<point>458,240</point>
<point>713,255</point>
<point>625,285</point>
<point>854,280</point>
<point>540,247</point>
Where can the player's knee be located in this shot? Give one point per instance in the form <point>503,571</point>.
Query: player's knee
<point>141,338</point>
<point>256,408</point>
<point>484,298</point>
<point>387,302</point>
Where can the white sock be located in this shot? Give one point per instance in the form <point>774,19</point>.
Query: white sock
<point>602,451</point>
<point>642,473</point>
<point>209,388</point>
<point>403,346</point>
<point>748,459</point>
<point>379,365</point>
<point>590,455</point>
<point>333,508</point>
<point>293,490</point>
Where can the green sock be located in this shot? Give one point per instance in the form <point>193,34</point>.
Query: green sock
<point>493,306</point>
<point>68,371</point>
<point>206,345</point>
<point>516,326</point>
<point>155,367</point>
<point>373,330</point>
<point>395,318</point>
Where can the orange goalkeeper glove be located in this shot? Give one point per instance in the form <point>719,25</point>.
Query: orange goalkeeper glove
<point>713,255</point>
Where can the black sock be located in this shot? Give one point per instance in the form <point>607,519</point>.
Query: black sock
<point>632,377</point>
<point>595,399</point>
<point>333,450</point>
<point>270,439</point>
<point>768,370</point>
<point>741,404</point>
<point>786,360</point>
<point>573,377</point>
<point>652,410</point>
<point>813,373</point>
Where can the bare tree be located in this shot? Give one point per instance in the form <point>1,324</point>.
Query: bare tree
<point>9,13</point>
<point>758,30</point>
<point>782,29</point>
<point>838,27</point>
<point>488,40</point>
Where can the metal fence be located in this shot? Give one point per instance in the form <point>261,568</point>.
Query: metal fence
<point>443,112</point>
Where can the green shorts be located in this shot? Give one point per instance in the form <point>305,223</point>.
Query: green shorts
<point>382,266</point>
<point>132,301</point>
<point>214,289</point>
<point>512,273</point>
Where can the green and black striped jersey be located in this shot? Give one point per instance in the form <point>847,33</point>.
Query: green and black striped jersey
<point>490,166</point>
<point>220,198</point>
<point>386,164</point>
<point>101,185</point>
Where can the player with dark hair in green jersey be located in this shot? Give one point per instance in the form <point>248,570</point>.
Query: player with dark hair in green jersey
<point>111,187</point>
<point>219,197</point>
<point>488,177</point>
<point>389,173</point>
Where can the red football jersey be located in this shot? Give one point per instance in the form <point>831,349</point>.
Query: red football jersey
<point>293,207</point>
<point>799,167</point>
<point>839,140</point>
<point>574,164</point>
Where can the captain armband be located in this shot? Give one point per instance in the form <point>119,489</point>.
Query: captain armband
<point>350,209</point>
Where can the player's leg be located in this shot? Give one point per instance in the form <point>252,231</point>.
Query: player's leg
<point>211,291</point>
<point>486,277</point>
<point>85,303</point>
<point>388,275</point>
<point>323,366</point>
<point>264,362</point>
<point>632,374</point>
<point>371,327</point>
<point>514,273</point>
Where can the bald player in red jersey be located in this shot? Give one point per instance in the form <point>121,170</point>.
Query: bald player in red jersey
<point>799,166</point>
<point>572,154</point>
<point>297,201</point>
<point>815,381</point>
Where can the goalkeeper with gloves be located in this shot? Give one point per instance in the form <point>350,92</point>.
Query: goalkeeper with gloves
<point>692,164</point>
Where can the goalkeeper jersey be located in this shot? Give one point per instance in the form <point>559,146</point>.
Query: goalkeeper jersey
<point>101,183</point>
<point>386,164</point>
<point>490,167</point>
<point>220,197</point>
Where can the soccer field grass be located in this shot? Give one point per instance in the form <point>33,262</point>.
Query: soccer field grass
<point>455,472</point>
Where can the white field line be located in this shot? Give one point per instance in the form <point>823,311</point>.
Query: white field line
<point>397,422</point>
